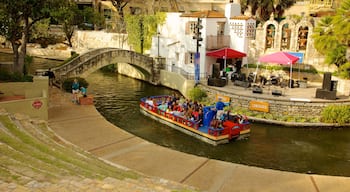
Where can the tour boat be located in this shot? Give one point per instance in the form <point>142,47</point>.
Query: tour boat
<point>233,127</point>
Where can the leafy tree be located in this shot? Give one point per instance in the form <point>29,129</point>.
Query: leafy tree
<point>16,20</point>
<point>66,15</point>
<point>263,8</point>
<point>141,28</point>
<point>90,16</point>
<point>120,5</point>
<point>332,38</point>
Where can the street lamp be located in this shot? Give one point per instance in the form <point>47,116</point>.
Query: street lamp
<point>197,55</point>
<point>158,34</point>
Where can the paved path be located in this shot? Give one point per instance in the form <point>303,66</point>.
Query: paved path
<point>85,127</point>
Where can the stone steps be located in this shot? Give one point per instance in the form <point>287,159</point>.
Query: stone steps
<point>34,158</point>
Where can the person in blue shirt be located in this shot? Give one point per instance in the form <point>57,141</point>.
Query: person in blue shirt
<point>83,91</point>
<point>75,90</point>
<point>219,108</point>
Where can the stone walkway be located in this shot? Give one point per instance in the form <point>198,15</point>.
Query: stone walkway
<point>86,128</point>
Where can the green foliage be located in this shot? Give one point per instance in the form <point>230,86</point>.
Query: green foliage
<point>6,76</point>
<point>344,71</point>
<point>142,27</point>
<point>67,84</point>
<point>197,94</point>
<point>336,114</point>
<point>331,35</point>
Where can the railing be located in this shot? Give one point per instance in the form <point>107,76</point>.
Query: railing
<point>217,42</point>
<point>184,73</point>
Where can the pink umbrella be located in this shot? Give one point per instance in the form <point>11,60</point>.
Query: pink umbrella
<point>281,58</point>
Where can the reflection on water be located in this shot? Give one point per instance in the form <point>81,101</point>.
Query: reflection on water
<point>293,149</point>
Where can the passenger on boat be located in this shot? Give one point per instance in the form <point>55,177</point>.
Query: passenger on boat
<point>149,101</point>
<point>163,106</point>
<point>219,108</point>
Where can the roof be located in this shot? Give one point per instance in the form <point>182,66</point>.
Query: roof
<point>241,17</point>
<point>204,14</point>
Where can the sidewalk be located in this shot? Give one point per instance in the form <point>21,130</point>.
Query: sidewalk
<point>83,126</point>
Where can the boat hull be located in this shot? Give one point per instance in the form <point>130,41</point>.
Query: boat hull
<point>197,134</point>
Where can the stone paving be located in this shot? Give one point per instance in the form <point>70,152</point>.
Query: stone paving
<point>84,126</point>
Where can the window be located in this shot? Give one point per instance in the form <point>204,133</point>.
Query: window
<point>190,58</point>
<point>191,28</point>
<point>107,13</point>
<point>220,28</point>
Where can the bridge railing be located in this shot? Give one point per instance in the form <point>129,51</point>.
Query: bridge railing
<point>61,72</point>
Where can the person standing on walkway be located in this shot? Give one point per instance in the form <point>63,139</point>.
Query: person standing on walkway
<point>51,76</point>
<point>75,91</point>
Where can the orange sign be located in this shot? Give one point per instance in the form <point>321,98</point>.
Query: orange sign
<point>225,99</point>
<point>259,106</point>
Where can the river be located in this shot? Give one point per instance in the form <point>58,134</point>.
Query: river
<point>303,150</point>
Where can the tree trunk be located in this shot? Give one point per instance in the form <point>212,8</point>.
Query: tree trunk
<point>15,46</point>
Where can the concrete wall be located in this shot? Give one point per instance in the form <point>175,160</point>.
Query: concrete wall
<point>35,103</point>
<point>176,81</point>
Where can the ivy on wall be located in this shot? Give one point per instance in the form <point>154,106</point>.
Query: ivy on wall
<point>141,28</point>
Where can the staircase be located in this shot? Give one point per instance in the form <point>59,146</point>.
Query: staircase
<point>34,158</point>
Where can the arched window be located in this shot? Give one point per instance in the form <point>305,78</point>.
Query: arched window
<point>302,38</point>
<point>270,36</point>
<point>285,40</point>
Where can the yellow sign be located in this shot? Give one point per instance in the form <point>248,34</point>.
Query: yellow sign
<point>225,99</point>
<point>259,106</point>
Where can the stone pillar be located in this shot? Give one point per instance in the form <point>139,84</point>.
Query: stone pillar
<point>158,64</point>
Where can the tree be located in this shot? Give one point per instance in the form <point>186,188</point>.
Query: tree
<point>120,5</point>
<point>66,15</point>
<point>332,38</point>
<point>17,19</point>
<point>141,28</point>
<point>264,8</point>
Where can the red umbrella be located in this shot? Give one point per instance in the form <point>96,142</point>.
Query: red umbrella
<point>226,53</point>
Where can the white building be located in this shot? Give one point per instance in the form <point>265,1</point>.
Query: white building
<point>178,47</point>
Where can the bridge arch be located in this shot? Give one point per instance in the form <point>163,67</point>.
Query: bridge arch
<point>91,61</point>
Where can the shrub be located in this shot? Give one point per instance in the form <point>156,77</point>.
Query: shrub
<point>67,84</point>
<point>197,94</point>
<point>336,114</point>
<point>5,76</point>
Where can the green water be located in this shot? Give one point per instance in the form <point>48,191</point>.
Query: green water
<point>313,150</point>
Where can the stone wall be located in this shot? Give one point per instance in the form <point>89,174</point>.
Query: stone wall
<point>278,106</point>
<point>35,102</point>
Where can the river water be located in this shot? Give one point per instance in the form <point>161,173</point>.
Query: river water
<point>303,150</point>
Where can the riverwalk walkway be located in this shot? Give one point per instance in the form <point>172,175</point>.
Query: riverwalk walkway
<point>83,126</point>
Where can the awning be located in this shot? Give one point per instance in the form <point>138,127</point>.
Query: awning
<point>226,53</point>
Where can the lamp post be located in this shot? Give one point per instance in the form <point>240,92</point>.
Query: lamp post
<point>197,55</point>
<point>141,34</point>
<point>158,34</point>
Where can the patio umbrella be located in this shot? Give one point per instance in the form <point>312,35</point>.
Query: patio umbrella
<point>283,58</point>
<point>225,53</point>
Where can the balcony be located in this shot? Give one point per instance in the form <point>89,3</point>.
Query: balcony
<point>217,42</point>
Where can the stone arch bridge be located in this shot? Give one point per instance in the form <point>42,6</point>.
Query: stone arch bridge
<point>93,60</point>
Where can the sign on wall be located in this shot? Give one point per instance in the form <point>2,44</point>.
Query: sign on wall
<point>37,104</point>
<point>259,106</point>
